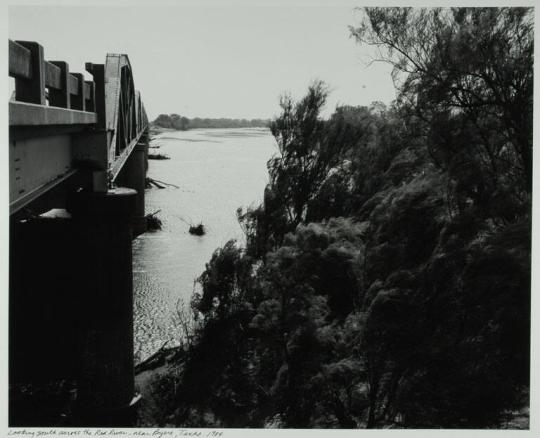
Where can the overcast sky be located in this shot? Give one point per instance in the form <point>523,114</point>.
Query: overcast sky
<point>225,60</point>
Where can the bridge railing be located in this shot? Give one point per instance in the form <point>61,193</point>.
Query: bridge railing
<point>40,82</point>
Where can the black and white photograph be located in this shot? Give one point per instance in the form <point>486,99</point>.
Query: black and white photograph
<point>304,215</point>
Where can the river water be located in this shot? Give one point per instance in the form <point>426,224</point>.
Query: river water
<point>217,171</point>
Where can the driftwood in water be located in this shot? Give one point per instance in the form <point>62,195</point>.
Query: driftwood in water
<point>159,184</point>
<point>197,230</point>
<point>161,357</point>
<point>158,157</point>
<point>165,183</point>
<point>153,222</point>
<point>149,182</point>
<point>155,360</point>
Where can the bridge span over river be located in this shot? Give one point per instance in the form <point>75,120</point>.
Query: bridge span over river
<point>77,164</point>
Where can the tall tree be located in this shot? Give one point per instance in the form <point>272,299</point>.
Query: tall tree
<point>473,62</point>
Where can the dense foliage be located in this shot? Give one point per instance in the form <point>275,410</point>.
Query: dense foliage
<point>386,277</point>
<point>181,123</point>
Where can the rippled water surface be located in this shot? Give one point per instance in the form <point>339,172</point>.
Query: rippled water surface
<point>217,171</point>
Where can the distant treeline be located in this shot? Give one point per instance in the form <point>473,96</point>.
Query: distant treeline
<point>175,121</point>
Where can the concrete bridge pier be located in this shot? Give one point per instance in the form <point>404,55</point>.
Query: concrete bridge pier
<point>133,176</point>
<point>106,376</point>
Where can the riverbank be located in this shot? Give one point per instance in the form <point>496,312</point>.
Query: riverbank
<point>153,379</point>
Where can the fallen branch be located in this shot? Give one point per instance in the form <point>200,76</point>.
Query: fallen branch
<point>150,182</point>
<point>158,157</point>
<point>153,222</point>
<point>155,360</point>
<point>197,230</point>
<point>167,184</point>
